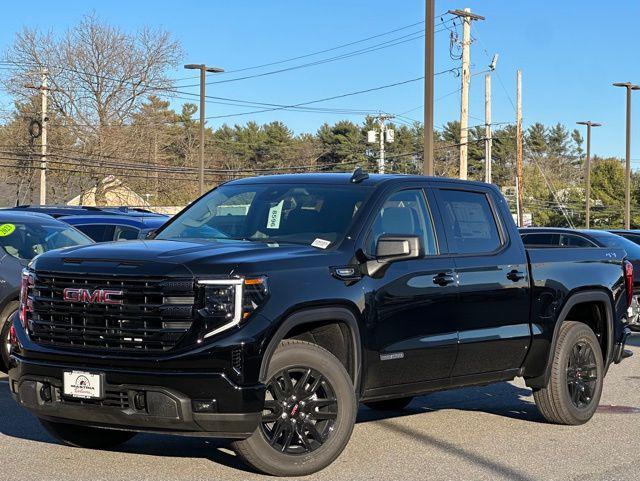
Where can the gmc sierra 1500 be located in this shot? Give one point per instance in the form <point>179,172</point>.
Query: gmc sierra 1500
<point>271,306</point>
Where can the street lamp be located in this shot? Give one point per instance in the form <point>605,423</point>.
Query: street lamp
<point>203,71</point>
<point>627,179</point>
<point>589,124</point>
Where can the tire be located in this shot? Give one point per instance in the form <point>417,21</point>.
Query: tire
<point>86,437</point>
<point>397,404</point>
<point>5,319</point>
<point>573,392</point>
<point>306,433</point>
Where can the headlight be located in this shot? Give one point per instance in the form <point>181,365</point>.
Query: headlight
<point>224,303</point>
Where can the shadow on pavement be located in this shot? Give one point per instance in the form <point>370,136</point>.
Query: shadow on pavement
<point>503,399</point>
<point>18,423</point>
<point>449,448</point>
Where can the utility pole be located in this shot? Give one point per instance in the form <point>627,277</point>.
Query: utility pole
<point>203,77</point>
<point>384,135</point>
<point>44,90</point>
<point>42,131</point>
<point>627,177</point>
<point>519,184</point>
<point>465,76</point>
<point>487,129</point>
<point>589,124</point>
<point>427,161</point>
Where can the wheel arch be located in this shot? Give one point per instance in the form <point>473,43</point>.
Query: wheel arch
<point>582,298</point>
<point>318,316</point>
<point>13,296</point>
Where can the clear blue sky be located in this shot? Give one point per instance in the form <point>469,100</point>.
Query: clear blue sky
<point>569,52</point>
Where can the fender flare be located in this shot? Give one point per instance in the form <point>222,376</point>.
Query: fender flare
<point>313,315</point>
<point>575,299</point>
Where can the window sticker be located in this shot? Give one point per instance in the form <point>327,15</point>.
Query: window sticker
<point>6,229</point>
<point>321,243</point>
<point>275,213</point>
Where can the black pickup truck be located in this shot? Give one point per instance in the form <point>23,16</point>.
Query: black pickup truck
<point>268,308</point>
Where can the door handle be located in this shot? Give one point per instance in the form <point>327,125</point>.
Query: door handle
<point>515,275</point>
<point>443,279</point>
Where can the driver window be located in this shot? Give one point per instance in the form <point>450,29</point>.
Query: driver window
<point>405,213</point>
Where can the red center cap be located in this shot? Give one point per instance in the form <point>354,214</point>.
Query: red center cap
<point>294,410</point>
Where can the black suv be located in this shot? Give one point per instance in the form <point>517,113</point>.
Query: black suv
<point>271,306</point>
<point>103,224</point>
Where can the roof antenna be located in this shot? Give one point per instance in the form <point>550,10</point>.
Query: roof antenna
<point>358,176</point>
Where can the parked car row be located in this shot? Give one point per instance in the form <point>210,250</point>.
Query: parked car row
<point>103,224</point>
<point>26,231</point>
<point>585,238</point>
<point>22,237</point>
<point>266,310</point>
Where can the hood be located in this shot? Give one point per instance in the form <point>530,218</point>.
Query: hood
<point>167,257</point>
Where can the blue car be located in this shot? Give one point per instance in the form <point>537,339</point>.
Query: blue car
<point>103,224</point>
<point>22,237</point>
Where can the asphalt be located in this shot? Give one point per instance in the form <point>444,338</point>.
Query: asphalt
<point>480,433</point>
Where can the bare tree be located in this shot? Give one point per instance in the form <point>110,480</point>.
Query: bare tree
<point>99,77</point>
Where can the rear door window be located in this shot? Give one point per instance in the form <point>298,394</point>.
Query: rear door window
<point>570,240</point>
<point>98,232</point>
<point>125,232</point>
<point>541,239</point>
<point>469,221</point>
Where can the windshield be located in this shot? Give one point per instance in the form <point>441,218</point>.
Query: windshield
<point>25,240</point>
<point>613,240</point>
<point>297,213</point>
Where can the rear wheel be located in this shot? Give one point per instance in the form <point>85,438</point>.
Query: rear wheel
<point>575,384</point>
<point>309,413</point>
<point>5,318</point>
<point>397,404</point>
<point>86,437</point>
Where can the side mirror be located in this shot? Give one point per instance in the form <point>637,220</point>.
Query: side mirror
<point>151,234</point>
<point>391,248</point>
<point>394,248</point>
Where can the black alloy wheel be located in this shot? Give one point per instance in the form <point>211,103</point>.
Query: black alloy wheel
<point>574,385</point>
<point>6,318</point>
<point>582,375</point>
<point>308,416</point>
<point>300,410</point>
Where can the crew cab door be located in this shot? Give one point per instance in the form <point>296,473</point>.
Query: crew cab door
<point>408,301</point>
<point>492,315</point>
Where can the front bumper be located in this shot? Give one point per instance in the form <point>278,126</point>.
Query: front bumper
<point>169,402</point>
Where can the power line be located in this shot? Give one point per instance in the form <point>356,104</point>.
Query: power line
<point>358,92</point>
<point>383,45</point>
<point>388,43</point>
<point>349,44</point>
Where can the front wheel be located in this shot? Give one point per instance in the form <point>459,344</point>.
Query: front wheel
<point>5,347</point>
<point>86,437</point>
<point>573,392</point>
<point>309,412</point>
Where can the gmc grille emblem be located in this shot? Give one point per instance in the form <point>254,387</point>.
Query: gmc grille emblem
<point>99,296</point>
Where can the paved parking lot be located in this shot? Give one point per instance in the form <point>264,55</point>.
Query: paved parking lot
<point>491,432</point>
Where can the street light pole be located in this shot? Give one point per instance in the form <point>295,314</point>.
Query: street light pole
<point>627,177</point>
<point>203,77</point>
<point>589,124</point>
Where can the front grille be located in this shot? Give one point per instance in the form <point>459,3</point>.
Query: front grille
<point>153,316</point>
<point>116,399</point>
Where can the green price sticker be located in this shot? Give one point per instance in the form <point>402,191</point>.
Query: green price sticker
<point>6,229</point>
